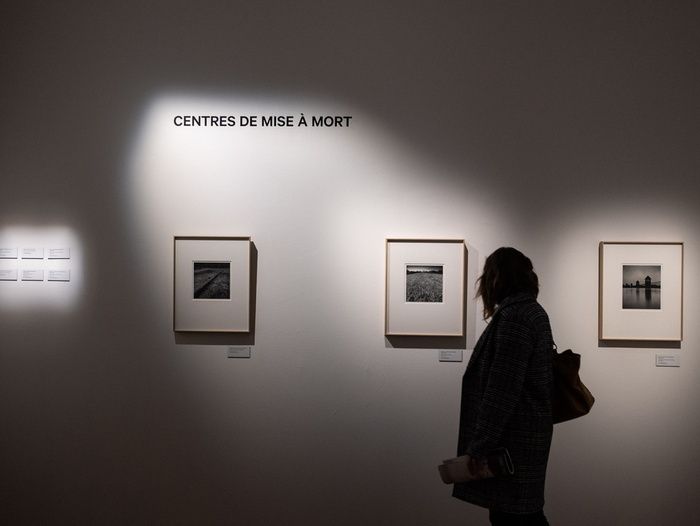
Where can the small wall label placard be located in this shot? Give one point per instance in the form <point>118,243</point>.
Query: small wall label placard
<point>59,275</point>
<point>668,360</point>
<point>59,253</point>
<point>8,253</point>
<point>234,351</point>
<point>32,253</point>
<point>450,355</point>
<point>32,275</point>
<point>8,274</point>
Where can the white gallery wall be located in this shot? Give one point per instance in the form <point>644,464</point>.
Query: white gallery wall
<point>547,127</point>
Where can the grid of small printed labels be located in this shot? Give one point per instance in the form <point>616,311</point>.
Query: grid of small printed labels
<point>35,264</point>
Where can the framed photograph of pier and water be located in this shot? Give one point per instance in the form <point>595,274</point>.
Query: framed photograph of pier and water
<point>425,287</point>
<point>212,284</point>
<point>640,291</point>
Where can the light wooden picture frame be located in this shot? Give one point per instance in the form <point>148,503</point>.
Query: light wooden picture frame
<point>640,295</point>
<point>211,285</point>
<point>425,287</point>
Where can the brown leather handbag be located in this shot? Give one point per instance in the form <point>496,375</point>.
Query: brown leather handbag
<point>570,397</point>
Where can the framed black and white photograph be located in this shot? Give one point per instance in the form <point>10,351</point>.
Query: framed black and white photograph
<point>641,291</point>
<point>424,283</point>
<point>212,280</point>
<point>212,284</point>
<point>641,287</point>
<point>425,287</point>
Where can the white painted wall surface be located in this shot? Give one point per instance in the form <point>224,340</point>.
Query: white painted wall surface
<point>548,128</point>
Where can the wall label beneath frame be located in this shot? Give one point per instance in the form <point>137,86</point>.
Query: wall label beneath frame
<point>451,355</point>
<point>234,351</point>
<point>668,360</point>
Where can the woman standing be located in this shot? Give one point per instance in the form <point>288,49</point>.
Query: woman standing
<point>506,392</point>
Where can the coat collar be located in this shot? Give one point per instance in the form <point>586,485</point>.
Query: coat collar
<point>515,298</point>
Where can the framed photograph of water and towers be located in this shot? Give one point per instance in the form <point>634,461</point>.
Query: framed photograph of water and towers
<point>425,287</point>
<point>640,291</point>
<point>211,284</point>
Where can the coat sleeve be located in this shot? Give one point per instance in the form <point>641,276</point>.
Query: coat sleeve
<point>512,347</point>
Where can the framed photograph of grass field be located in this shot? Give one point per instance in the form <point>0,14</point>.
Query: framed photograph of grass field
<point>640,291</point>
<point>212,284</point>
<point>425,281</point>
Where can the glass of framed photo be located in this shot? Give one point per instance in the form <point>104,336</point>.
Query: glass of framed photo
<point>641,291</point>
<point>425,287</point>
<point>211,284</point>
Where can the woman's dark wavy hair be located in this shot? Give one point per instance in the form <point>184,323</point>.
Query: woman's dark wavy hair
<point>506,272</point>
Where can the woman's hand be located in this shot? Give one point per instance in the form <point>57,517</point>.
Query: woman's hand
<point>478,467</point>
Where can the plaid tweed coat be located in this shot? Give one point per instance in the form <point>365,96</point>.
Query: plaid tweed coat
<point>506,402</point>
